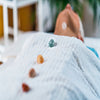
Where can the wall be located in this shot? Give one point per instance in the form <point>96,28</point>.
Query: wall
<point>89,28</point>
<point>47,18</point>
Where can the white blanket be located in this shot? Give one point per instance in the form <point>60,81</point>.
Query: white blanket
<point>70,71</point>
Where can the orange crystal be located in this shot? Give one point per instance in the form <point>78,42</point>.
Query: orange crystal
<point>40,59</point>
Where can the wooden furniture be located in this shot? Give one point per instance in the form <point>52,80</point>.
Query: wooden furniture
<point>14,4</point>
<point>1,21</point>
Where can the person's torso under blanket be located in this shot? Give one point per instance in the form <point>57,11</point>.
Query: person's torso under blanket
<point>69,71</point>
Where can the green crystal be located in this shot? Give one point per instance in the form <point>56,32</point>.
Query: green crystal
<point>51,43</point>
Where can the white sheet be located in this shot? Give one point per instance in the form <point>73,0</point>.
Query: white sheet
<point>16,47</point>
<point>70,71</point>
<point>93,42</point>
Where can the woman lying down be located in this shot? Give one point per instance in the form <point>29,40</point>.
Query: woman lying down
<point>53,67</point>
<point>69,24</point>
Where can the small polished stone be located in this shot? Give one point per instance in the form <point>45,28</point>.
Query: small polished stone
<point>51,43</point>
<point>25,87</point>
<point>1,62</point>
<point>40,59</point>
<point>32,73</point>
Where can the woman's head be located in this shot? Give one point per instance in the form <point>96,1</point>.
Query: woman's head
<point>68,23</point>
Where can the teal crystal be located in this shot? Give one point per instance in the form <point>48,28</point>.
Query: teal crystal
<point>51,43</point>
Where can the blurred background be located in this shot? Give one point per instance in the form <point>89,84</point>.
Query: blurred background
<point>41,16</point>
